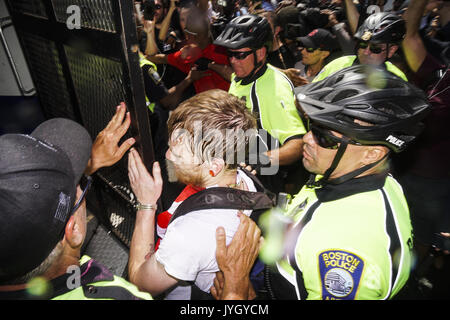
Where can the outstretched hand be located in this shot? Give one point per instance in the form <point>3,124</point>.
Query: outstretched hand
<point>195,74</point>
<point>146,188</point>
<point>295,77</point>
<point>105,149</point>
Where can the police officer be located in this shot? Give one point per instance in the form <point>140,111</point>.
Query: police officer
<point>377,39</point>
<point>43,212</point>
<point>350,235</point>
<point>267,91</point>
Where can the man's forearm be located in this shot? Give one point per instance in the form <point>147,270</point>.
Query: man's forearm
<point>352,15</point>
<point>171,100</point>
<point>151,48</point>
<point>413,47</point>
<point>165,24</point>
<point>288,153</point>
<point>144,270</point>
<point>158,58</point>
<point>238,290</point>
<point>142,244</point>
<point>223,70</point>
<point>414,15</point>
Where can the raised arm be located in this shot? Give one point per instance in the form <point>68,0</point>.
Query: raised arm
<point>165,24</point>
<point>203,5</point>
<point>151,47</point>
<point>352,15</point>
<point>413,47</point>
<point>144,271</point>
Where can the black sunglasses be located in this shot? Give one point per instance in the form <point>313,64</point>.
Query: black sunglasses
<point>324,138</point>
<point>372,47</point>
<point>158,6</point>
<point>239,55</point>
<point>310,49</point>
<point>85,184</point>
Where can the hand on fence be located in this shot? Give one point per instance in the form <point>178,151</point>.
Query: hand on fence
<point>146,188</point>
<point>105,149</point>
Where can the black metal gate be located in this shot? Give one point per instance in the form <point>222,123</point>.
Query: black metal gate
<point>83,72</point>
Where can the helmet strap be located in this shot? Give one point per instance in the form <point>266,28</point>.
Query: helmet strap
<point>256,65</point>
<point>356,172</point>
<point>337,158</point>
<point>312,183</point>
<point>255,73</point>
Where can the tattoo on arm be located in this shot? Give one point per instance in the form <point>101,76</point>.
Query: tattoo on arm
<point>151,252</point>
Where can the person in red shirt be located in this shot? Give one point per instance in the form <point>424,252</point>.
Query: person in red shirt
<point>208,63</point>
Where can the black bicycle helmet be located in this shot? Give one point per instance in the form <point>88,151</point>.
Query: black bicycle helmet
<point>382,27</point>
<point>247,31</point>
<point>393,107</point>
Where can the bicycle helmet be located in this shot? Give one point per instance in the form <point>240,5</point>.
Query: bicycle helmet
<point>388,108</point>
<point>247,31</point>
<point>382,27</point>
<point>393,107</point>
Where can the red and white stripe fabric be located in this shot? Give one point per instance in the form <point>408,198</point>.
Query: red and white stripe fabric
<point>164,217</point>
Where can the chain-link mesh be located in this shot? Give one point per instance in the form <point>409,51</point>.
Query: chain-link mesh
<point>31,7</point>
<point>49,79</point>
<point>98,85</point>
<point>118,204</point>
<point>86,83</point>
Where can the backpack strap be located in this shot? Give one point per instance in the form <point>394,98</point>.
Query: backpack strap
<point>224,198</point>
<point>258,184</point>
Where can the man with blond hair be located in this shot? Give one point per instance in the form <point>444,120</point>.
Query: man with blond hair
<point>208,134</point>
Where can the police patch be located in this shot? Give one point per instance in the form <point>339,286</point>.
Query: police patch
<point>366,36</point>
<point>340,274</point>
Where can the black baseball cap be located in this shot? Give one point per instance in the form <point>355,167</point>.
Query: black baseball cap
<point>319,39</point>
<point>38,178</point>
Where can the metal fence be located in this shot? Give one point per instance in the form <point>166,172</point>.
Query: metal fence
<point>83,72</point>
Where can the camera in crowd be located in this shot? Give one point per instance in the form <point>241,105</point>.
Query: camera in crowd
<point>313,18</point>
<point>149,10</point>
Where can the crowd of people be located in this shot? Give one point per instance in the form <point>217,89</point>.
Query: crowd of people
<point>318,126</point>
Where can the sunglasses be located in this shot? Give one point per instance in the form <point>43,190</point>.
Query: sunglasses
<point>375,49</point>
<point>158,6</point>
<point>310,50</point>
<point>324,138</point>
<point>85,184</point>
<point>239,55</point>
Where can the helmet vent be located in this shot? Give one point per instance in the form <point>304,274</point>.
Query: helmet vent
<point>346,93</point>
<point>391,109</point>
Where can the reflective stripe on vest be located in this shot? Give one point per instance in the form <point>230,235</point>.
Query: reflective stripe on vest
<point>103,286</point>
<point>347,61</point>
<point>142,62</point>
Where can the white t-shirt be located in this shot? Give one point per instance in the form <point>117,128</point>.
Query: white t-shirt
<point>188,249</point>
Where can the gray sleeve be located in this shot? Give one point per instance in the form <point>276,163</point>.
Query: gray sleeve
<point>346,42</point>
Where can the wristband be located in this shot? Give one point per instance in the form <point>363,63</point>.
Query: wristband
<point>141,206</point>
